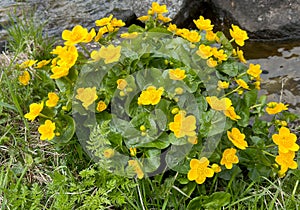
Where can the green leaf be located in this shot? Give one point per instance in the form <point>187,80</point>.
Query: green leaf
<point>230,68</point>
<point>135,28</point>
<point>68,130</point>
<point>250,97</point>
<point>217,200</point>
<point>176,158</point>
<point>196,203</point>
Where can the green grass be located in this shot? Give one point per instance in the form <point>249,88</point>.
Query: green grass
<point>35,174</point>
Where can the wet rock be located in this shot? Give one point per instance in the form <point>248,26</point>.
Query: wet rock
<point>263,19</point>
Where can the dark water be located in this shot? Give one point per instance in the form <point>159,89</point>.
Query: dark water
<point>281,61</point>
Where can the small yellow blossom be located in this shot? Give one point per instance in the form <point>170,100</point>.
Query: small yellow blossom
<point>193,139</point>
<point>177,74</point>
<point>158,9</point>
<point>203,24</point>
<point>178,90</point>
<point>150,96</point>
<point>219,104</point>
<point>87,96</point>
<point>182,125</point>
<point>129,35</point>
<point>231,113</point>
<point>211,62</point>
<point>52,99</point>
<point>199,170</point>
<point>59,71</point>
<point>275,108</point>
<point>142,128</point>
<point>193,36</point>
<point>216,168</point>
<point>143,18</point>
<point>285,140</point>
<point>137,168</point>
<point>77,35</point>
<point>210,36</point>
<point>237,138</point>
<point>89,37</point>
<point>240,55</point>
<point>219,54</point>
<point>254,70</point>
<point>42,63</point>
<point>257,84</point>
<point>47,130</point>
<point>117,23</point>
<point>204,51</point>
<point>101,106</point>
<point>286,161</point>
<point>122,84</point>
<point>104,21</point>
<point>101,32</point>
<point>175,110</point>
<point>110,54</point>
<point>34,110</point>
<point>27,63</point>
<point>172,27</point>
<point>163,18</point>
<point>183,32</point>
<point>132,151</point>
<point>108,153</point>
<point>223,84</point>
<point>24,78</point>
<point>242,83</point>
<point>229,157</point>
<point>238,35</point>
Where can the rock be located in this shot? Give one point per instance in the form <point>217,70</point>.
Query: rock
<point>262,19</point>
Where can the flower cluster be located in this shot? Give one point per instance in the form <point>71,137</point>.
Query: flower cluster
<point>171,94</point>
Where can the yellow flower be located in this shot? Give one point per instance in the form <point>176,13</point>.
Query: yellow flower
<point>117,23</point>
<point>238,35</point>
<point>143,128</point>
<point>240,55</point>
<point>183,126</point>
<point>203,24</point>
<point>150,96</point>
<point>129,35</point>
<point>177,74</point>
<point>274,107</point>
<point>163,18</point>
<point>77,35</point>
<point>101,106</point>
<point>143,18</point>
<point>178,91</point>
<point>193,139</point>
<point>204,51</point>
<point>59,72</point>
<point>257,84</point>
<point>219,54</point>
<point>193,36</point>
<point>53,99</point>
<point>175,110</point>
<point>216,168</point>
<point>24,78</point>
<point>223,85</point>
<point>68,56</point>
<point>100,33</point>
<point>219,104</point>
<point>286,161</point>
<point>89,37</point>
<point>121,84</point>
<point>211,62</point>
<point>108,153</point>
<point>47,130</point>
<point>229,157</point>
<point>103,21</point>
<point>172,27</point>
<point>237,138</point>
<point>210,36</point>
<point>27,63</point>
<point>242,83</point>
<point>34,110</point>
<point>254,70</point>
<point>199,170</point>
<point>137,168</point>
<point>110,54</point>
<point>132,151</point>
<point>285,140</point>
<point>87,96</point>
<point>157,9</point>
<point>231,113</point>
<point>42,63</point>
